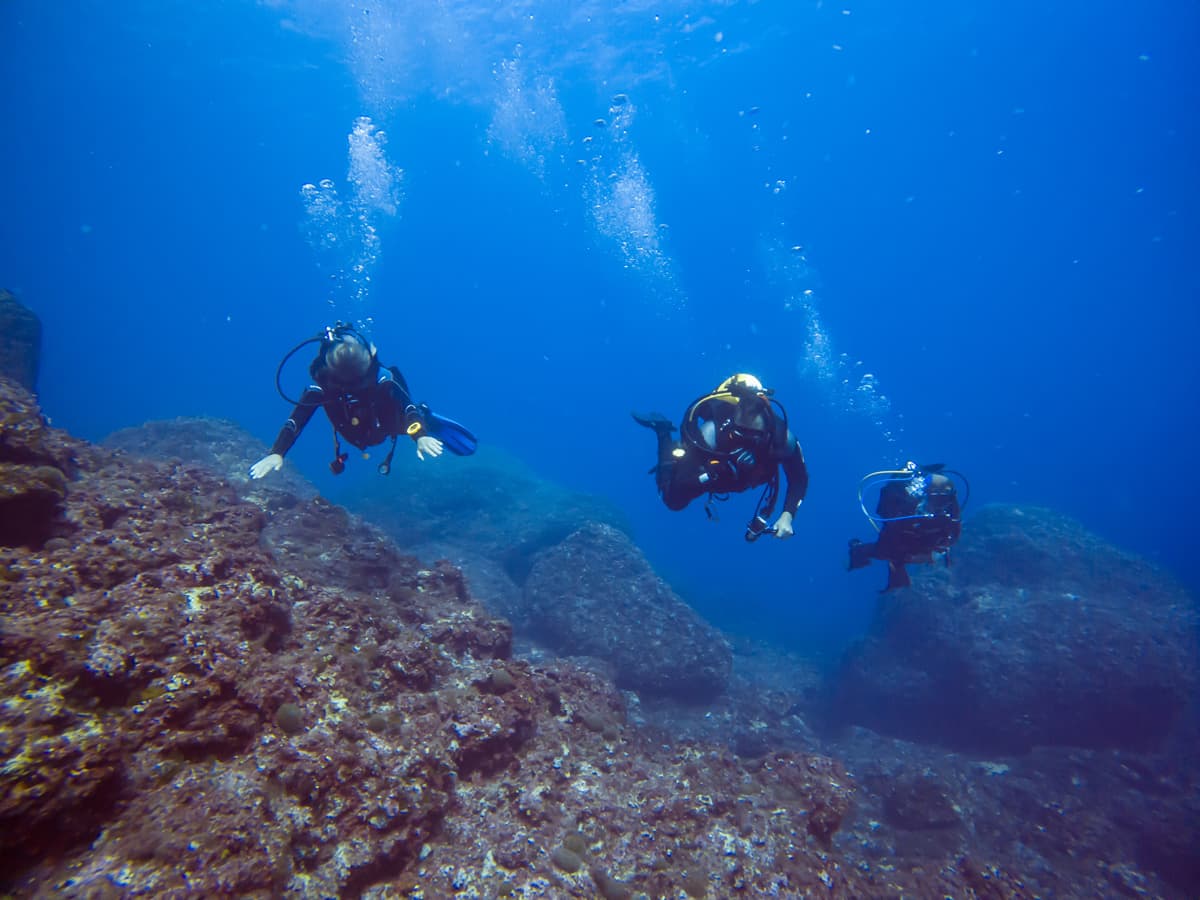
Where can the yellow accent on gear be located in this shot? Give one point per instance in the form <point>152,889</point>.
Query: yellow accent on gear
<point>742,380</point>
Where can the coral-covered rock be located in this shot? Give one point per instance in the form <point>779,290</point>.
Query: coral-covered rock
<point>219,445</point>
<point>595,595</point>
<point>35,463</point>
<point>20,341</point>
<point>490,505</point>
<point>488,514</point>
<point>146,663</point>
<point>1039,633</point>
<point>209,691</point>
<point>917,803</point>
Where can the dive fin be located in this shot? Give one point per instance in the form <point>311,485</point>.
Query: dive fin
<point>457,438</point>
<point>897,576</point>
<point>860,554</point>
<point>656,422</point>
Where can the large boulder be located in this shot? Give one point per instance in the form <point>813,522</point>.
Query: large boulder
<point>490,505</point>
<point>1040,633</point>
<point>595,595</point>
<point>219,445</point>
<point>35,465</point>
<point>20,341</point>
<point>208,695</point>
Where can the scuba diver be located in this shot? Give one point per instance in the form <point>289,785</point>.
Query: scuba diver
<point>917,515</point>
<point>730,440</point>
<point>366,403</point>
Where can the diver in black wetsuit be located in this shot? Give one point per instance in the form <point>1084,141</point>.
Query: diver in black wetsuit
<point>731,440</point>
<point>367,403</point>
<point>920,515</point>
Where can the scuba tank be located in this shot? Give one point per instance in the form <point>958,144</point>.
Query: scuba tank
<point>916,481</point>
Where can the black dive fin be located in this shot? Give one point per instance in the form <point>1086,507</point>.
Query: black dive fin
<point>860,554</point>
<point>897,577</point>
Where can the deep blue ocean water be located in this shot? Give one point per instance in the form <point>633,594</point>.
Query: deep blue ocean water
<point>955,232</point>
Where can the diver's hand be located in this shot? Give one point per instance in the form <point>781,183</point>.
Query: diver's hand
<point>428,446</point>
<point>783,526</point>
<point>265,466</point>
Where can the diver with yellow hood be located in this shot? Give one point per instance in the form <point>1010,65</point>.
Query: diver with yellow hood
<point>730,440</point>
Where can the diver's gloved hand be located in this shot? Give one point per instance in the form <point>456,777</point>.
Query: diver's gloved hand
<point>783,526</point>
<point>265,466</point>
<point>428,446</point>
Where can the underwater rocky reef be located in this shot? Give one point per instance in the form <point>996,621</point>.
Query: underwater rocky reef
<point>1040,633</point>
<point>209,691</point>
<point>216,687</point>
<point>20,341</point>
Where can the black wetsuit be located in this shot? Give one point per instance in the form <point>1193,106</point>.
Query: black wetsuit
<point>902,540</point>
<point>733,467</point>
<point>377,409</point>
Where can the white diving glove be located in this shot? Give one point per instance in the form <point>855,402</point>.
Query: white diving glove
<point>427,446</point>
<point>265,466</point>
<point>783,526</point>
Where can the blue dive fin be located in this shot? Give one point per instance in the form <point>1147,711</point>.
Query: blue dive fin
<point>457,438</point>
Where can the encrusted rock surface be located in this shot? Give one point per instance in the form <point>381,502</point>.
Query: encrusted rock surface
<point>34,469</point>
<point>595,595</point>
<point>1074,822</point>
<point>220,446</point>
<point>583,592</point>
<point>216,687</point>
<point>20,341</point>
<point>205,696</point>
<point>489,505</point>
<point>1038,634</point>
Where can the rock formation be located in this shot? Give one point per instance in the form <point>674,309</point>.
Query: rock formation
<point>1038,634</point>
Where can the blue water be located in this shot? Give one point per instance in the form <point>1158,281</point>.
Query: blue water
<point>988,208</point>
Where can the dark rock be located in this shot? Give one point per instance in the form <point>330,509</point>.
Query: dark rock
<point>1167,844</point>
<point>144,663</point>
<point>35,465</point>
<point>219,445</point>
<point>20,342</point>
<point>489,582</point>
<point>595,595</point>
<point>823,784</point>
<point>489,505</point>
<point>917,803</point>
<point>1040,633</point>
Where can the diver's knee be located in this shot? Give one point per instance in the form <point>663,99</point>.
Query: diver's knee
<point>675,503</point>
